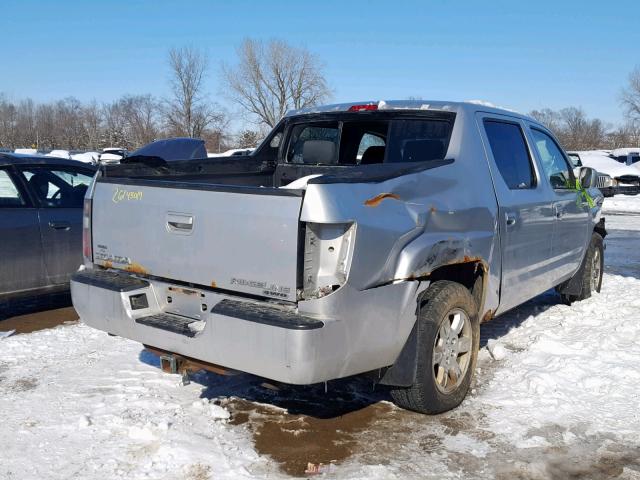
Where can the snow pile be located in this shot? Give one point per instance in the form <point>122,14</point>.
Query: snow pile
<point>78,403</point>
<point>622,204</point>
<point>578,363</point>
<point>6,334</point>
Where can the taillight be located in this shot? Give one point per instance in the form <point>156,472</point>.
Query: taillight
<point>87,250</point>
<point>328,248</point>
<point>363,108</point>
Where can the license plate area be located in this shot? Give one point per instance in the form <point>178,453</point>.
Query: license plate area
<point>187,302</point>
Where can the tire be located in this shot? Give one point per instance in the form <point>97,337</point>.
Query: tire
<point>443,303</point>
<point>591,280</point>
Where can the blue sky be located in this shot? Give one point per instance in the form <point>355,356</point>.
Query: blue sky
<point>518,54</point>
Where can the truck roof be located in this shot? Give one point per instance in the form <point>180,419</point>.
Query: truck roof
<point>434,105</point>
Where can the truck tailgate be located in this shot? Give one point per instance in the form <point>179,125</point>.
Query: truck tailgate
<point>243,239</point>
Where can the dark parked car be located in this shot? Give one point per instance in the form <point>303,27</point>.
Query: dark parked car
<point>41,200</point>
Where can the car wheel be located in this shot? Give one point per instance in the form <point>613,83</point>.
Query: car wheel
<point>448,340</point>
<point>592,271</point>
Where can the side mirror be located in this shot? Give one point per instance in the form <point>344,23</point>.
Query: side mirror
<point>588,177</point>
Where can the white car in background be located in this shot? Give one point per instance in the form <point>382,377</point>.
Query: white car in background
<point>112,155</point>
<point>86,157</point>
<point>26,151</point>
<point>615,176</point>
<point>59,154</point>
<point>232,153</point>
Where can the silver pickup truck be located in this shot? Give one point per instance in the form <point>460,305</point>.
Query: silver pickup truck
<point>371,237</point>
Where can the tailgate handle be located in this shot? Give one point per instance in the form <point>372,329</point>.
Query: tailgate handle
<point>179,222</point>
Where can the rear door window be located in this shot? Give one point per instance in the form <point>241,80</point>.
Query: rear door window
<point>510,153</point>
<point>555,165</point>
<point>9,194</point>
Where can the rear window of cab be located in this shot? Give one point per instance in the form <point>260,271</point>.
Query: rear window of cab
<point>368,142</point>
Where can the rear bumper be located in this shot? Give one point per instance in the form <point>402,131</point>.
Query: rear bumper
<point>345,333</point>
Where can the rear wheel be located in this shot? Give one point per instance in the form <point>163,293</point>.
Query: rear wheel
<point>448,340</point>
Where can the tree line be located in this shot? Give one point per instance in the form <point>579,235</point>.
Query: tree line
<point>576,131</point>
<point>267,79</point>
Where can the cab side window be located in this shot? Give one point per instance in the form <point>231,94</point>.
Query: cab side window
<point>57,187</point>
<point>554,163</point>
<point>510,153</point>
<point>9,194</point>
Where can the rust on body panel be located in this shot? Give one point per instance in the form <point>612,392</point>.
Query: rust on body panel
<point>375,201</point>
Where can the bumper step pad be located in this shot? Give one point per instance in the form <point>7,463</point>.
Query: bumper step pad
<point>172,323</point>
<point>109,280</point>
<point>266,315</point>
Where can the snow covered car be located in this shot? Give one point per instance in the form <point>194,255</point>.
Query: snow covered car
<point>41,201</point>
<point>233,152</point>
<point>59,154</point>
<point>356,238</point>
<point>625,177</point>
<point>112,155</point>
<point>86,157</point>
<point>628,156</point>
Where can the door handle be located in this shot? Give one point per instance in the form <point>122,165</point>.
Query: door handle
<point>59,225</point>
<point>179,223</point>
<point>511,218</point>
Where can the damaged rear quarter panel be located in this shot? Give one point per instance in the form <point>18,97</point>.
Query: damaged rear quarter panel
<point>408,226</point>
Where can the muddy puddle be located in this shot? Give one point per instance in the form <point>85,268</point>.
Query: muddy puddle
<point>298,426</point>
<point>38,321</point>
<point>30,314</point>
<point>302,426</point>
<point>294,441</point>
<point>456,444</point>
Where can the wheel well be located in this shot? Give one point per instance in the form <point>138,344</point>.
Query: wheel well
<point>600,229</point>
<point>472,275</point>
<point>469,274</point>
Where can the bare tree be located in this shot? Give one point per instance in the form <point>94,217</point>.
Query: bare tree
<point>573,128</point>
<point>549,118</point>
<point>188,113</point>
<point>140,112</point>
<point>92,123</point>
<point>274,77</point>
<point>115,132</point>
<point>630,96</point>
<point>8,118</point>
<point>248,139</point>
<point>46,124</point>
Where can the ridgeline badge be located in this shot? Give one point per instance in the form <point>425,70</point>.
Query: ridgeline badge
<point>120,194</point>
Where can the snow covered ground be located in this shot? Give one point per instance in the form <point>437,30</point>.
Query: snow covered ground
<point>556,396</point>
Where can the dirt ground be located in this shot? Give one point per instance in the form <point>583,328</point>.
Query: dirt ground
<point>31,313</point>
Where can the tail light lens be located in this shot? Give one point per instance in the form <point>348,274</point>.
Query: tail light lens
<point>328,249</point>
<point>87,250</point>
